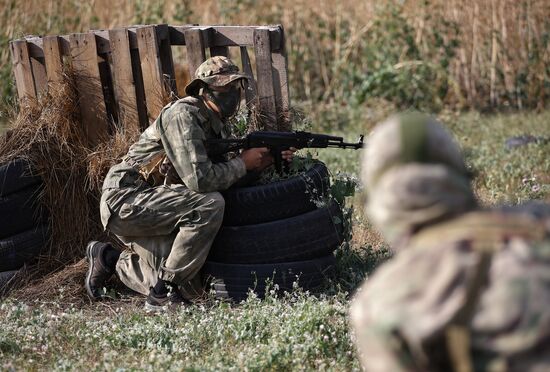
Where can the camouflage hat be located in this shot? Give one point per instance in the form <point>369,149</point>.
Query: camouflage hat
<point>217,71</point>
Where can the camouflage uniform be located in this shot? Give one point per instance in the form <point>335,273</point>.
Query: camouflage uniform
<point>169,228</point>
<point>468,289</point>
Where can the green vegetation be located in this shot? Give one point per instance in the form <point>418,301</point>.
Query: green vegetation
<point>296,331</point>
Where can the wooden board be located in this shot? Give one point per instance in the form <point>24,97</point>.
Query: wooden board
<point>22,69</point>
<point>84,60</point>
<point>196,53</point>
<point>39,74</point>
<point>219,51</point>
<point>226,36</point>
<point>280,85</point>
<point>166,58</point>
<point>223,36</point>
<point>250,92</point>
<point>123,79</point>
<point>53,59</point>
<point>264,75</point>
<point>151,70</point>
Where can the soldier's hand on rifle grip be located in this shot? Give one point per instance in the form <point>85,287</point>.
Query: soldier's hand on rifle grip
<point>288,154</point>
<point>256,158</point>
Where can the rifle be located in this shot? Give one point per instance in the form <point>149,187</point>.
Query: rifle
<point>280,141</point>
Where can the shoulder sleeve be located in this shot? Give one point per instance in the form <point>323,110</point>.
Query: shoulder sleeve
<point>407,302</point>
<point>183,140</point>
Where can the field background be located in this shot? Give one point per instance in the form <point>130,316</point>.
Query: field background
<point>482,67</point>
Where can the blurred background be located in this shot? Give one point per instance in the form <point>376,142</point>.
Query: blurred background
<point>428,54</point>
<point>483,67</point>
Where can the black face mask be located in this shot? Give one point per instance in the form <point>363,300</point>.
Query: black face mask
<point>228,102</point>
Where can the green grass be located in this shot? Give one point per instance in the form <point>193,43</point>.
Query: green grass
<point>299,332</point>
<point>296,332</point>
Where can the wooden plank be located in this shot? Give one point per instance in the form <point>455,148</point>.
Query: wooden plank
<point>280,85</point>
<point>219,51</point>
<point>196,53</point>
<point>151,69</point>
<point>53,59</point>
<point>22,69</point>
<point>123,79</point>
<point>223,36</point>
<point>267,113</point>
<point>140,89</point>
<point>39,74</point>
<point>104,64</point>
<point>88,82</point>
<point>226,36</point>
<point>166,59</point>
<point>250,92</point>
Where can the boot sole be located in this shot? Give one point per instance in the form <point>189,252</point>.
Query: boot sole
<point>90,260</point>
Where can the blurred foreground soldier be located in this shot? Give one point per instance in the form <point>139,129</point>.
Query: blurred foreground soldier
<point>468,290</point>
<point>162,200</point>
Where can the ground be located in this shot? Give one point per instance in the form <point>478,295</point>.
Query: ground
<point>298,331</point>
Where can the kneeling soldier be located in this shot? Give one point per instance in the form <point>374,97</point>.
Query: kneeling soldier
<point>169,226</point>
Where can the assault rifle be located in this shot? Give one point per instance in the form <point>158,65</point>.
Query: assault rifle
<point>280,141</point>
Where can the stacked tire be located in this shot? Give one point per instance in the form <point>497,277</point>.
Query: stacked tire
<point>23,224</point>
<point>278,234</point>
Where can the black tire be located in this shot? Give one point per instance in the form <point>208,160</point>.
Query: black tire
<point>20,211</point>
<point>234,280</point>
<point>309,235</point>
<point>276,200</point>
<point>22,248</point>
<point>5,278</point>
<point>15,176</point>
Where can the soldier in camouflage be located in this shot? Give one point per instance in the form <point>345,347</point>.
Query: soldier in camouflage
<point>468,289</point>
<point>163,199</point>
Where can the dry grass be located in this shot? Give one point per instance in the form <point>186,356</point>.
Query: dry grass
<point>48,133</point>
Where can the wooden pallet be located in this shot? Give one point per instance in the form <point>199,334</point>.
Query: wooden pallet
<point>122,74</point>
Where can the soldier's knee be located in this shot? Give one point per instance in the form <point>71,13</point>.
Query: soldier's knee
<point>214,205</point>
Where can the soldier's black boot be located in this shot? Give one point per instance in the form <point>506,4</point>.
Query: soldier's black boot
<point>161,298</point>
<point>102,259</point>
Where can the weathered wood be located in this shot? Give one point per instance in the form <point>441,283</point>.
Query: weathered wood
<point>39,75</point>
<point>226,36</point>
<point>222,36</point>
<point>104,64</point>
<point>266,96</point>
<point>250,92</point>
<point>53,59</point>
<point>151,69</point>
<point>22,69</point>
<point>280,86</point>
<point>140,89</point>
<point>166,58</point>
<point>123,79</point>
<point>88,82</point>
<point>196,54</point>
<point>219,51</point>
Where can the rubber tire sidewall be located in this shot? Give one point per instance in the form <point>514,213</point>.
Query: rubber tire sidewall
<point>276,200</point>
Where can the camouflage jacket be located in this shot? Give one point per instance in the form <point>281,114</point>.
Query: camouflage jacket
<point>470,294</point>
<point>179,132</point>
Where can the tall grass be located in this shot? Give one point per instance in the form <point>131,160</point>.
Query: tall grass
<point>421,53</point>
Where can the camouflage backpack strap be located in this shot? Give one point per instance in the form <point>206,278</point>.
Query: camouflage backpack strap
<point>485,233</point>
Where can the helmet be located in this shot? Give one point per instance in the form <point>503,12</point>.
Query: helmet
<point>415,175</point>
<point>217,71</point>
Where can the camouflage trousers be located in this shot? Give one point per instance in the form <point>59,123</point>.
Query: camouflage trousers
<point>168,231</point>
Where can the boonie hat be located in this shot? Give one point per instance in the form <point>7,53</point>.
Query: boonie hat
<point>217,71</point>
